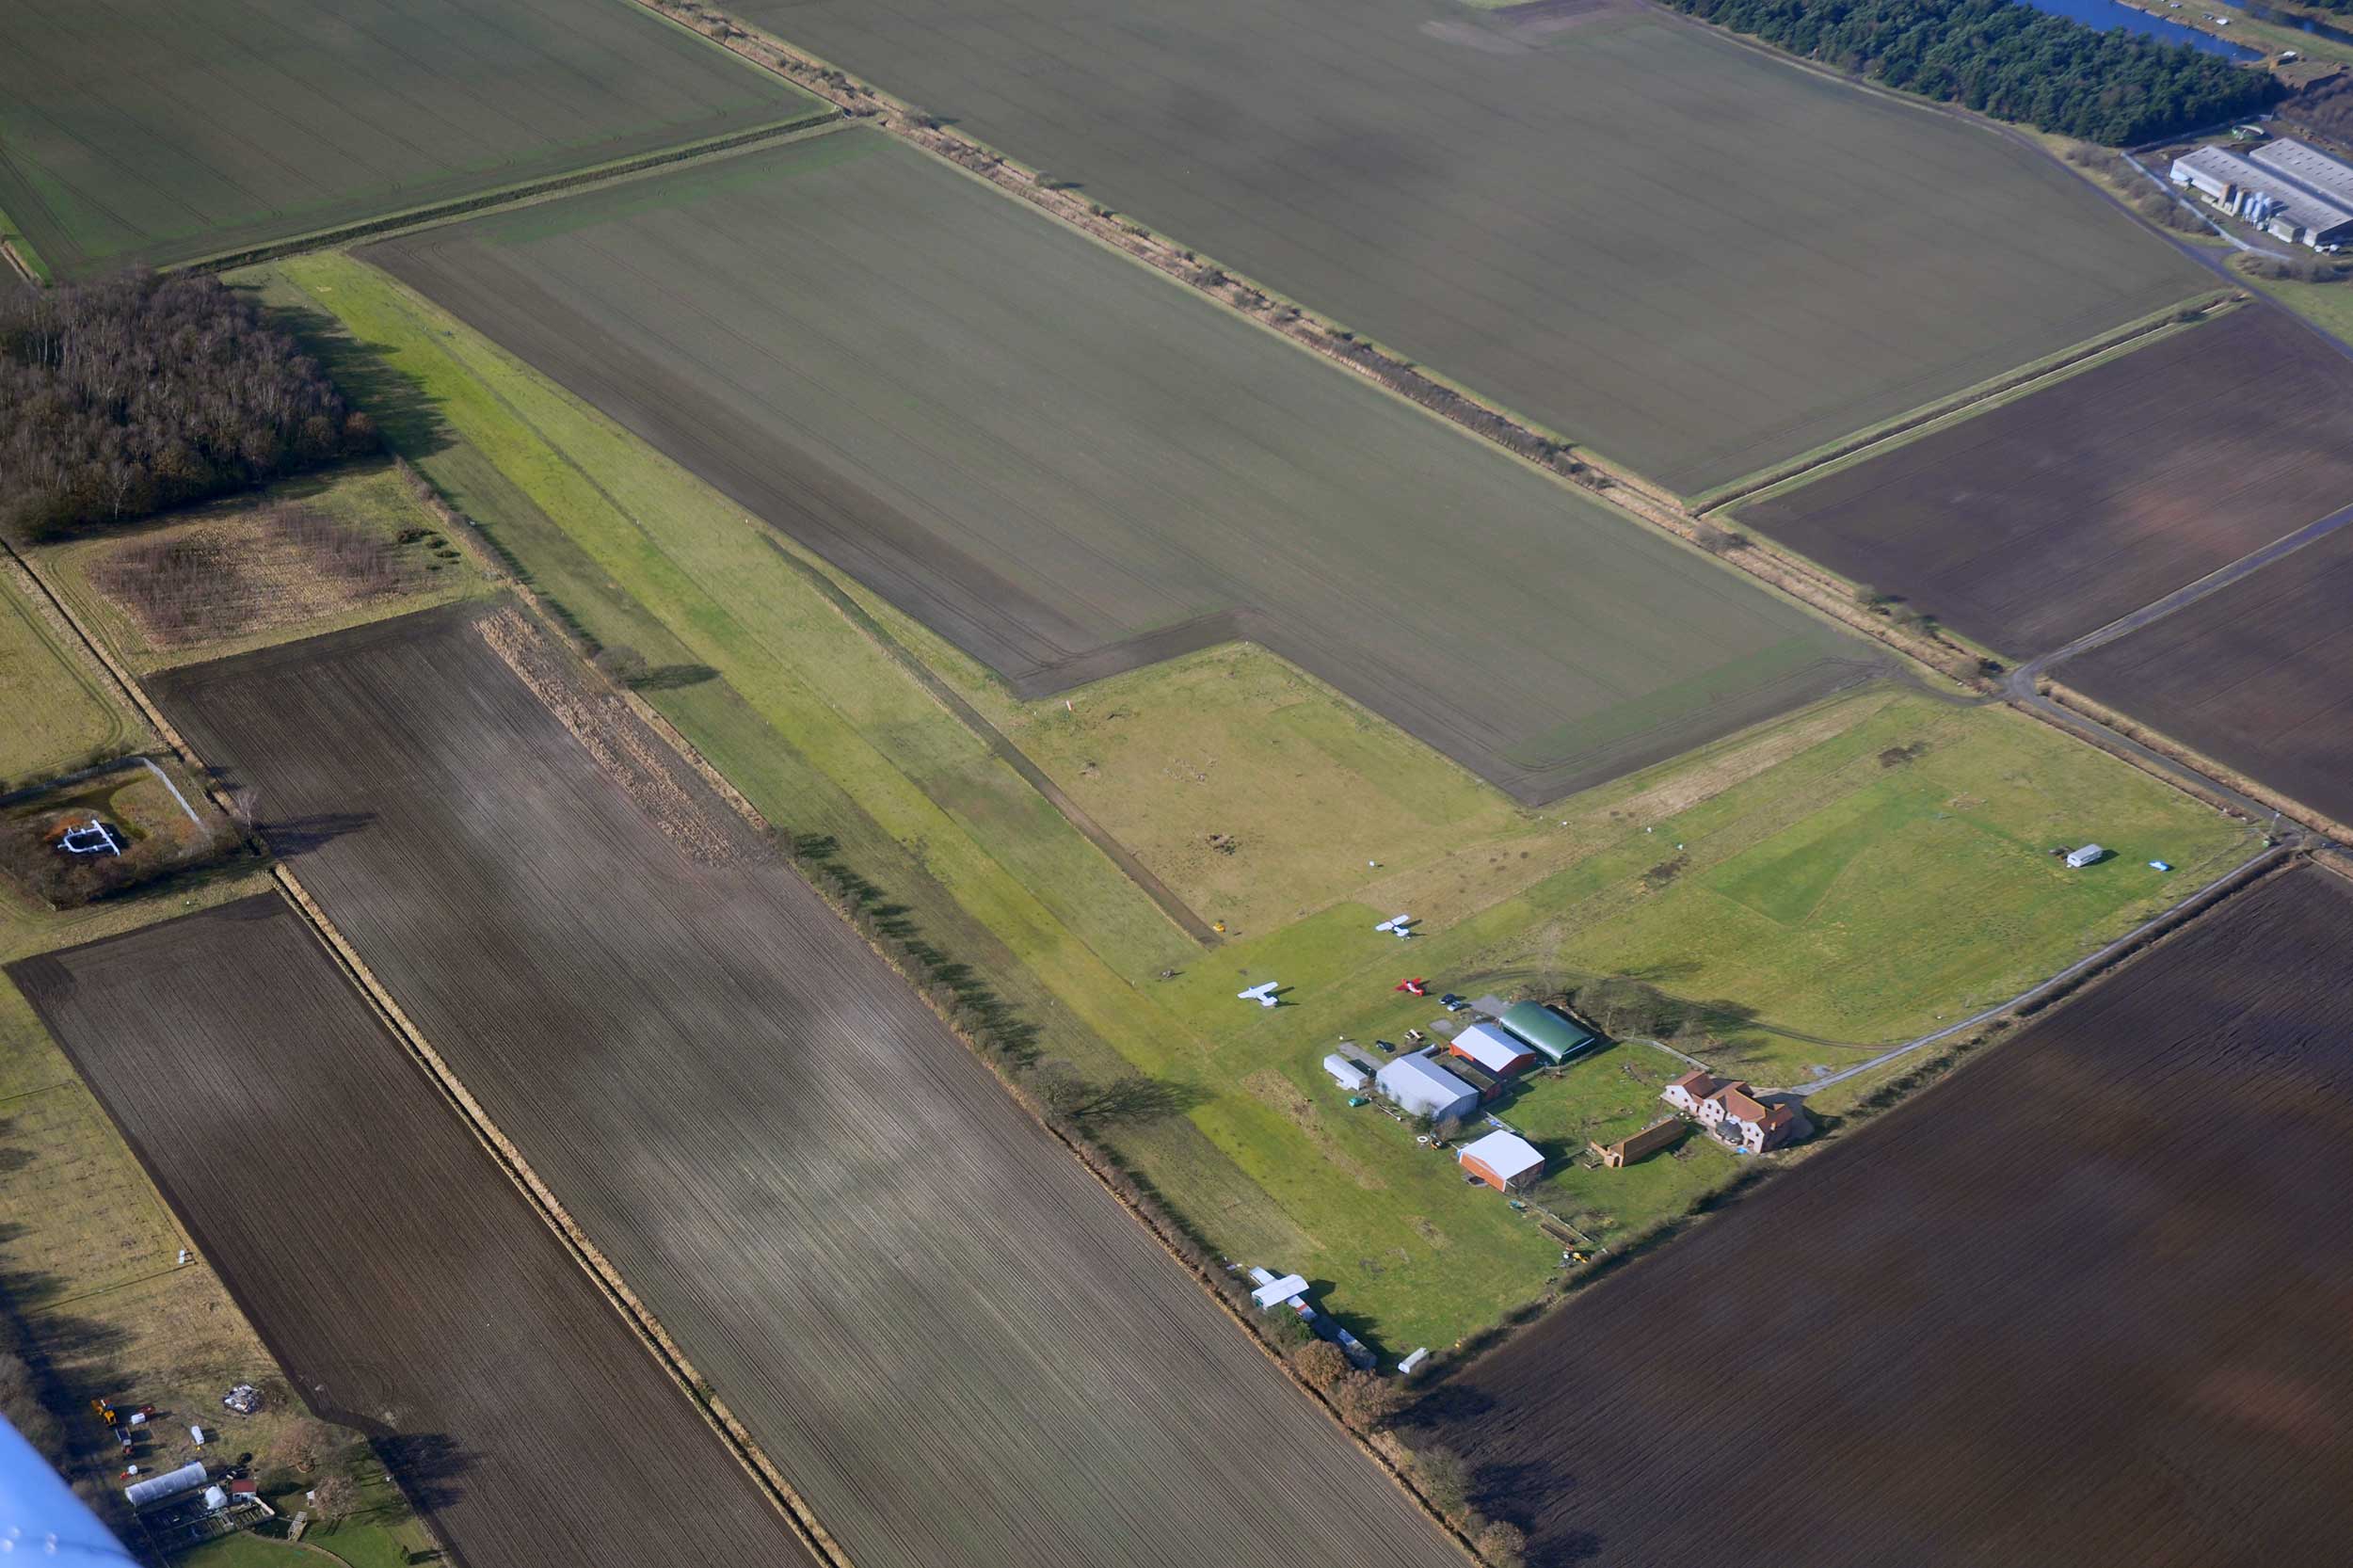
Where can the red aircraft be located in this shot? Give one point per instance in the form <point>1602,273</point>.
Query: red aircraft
<point>1412,988</point>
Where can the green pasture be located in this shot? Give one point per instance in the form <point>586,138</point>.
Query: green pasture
<point>59,710</point>
<point>1848,874</point>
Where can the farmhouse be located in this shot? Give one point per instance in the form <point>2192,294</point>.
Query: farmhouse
<point>1735,1116</point>
<point>1625,1151</point>
<point>1422,1088</point>
<point>2296,192</point>
<point>1687,1094</point>
<point>1546,1032</point>
<point>1504,1160</point>
<point>1492,1049</point>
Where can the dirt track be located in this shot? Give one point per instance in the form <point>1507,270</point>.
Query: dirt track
<point>388,1262</point>
<point>2085,1304</point>
<point>950,1339</point>
<point>2258,676</point>
<point>2053,514</point>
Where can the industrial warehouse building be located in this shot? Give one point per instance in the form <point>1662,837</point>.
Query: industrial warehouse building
<point>2298,193</point>
<point>1422,1088</point>
<point>1500,1053</point>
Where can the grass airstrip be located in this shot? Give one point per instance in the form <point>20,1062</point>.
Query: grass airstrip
<point>1845,876</point>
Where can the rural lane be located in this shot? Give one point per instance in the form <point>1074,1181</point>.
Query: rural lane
<point>2019,685</point>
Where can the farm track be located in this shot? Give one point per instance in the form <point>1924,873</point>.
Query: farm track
<point>2078,1305</point>
<point>516,1410</point>
<point>1006,752</point>
<point>829,1203</point>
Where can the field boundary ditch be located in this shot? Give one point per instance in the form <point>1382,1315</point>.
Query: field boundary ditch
<point>509,1158</point>
<point>468,206</point>
<point>2025,381</point>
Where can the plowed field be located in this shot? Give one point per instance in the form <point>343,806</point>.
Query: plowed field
<point>390,1265</point>
<point>2050,517</point>
<point>2259,676</point>
<point>1693,257</point>
<point>2084,1303</point>
<point>1068,466</point>
<point>944,1332</point>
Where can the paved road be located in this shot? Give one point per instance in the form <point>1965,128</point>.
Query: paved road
<point>2073,971</point>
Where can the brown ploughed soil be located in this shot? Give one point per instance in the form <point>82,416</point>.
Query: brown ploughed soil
<point>2084,1302</point>
<point>2258,676</point>
<point>388,1262</point>
<point>946,1334</point>
<point>2051,515</point>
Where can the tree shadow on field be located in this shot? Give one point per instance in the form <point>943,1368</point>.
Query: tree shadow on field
<point>301,834</point>
<point>427,1465</point>
<point>670,677</point>
<point>403,410</point>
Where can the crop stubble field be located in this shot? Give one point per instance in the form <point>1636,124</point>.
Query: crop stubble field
<point>406,1285</point>
<point>2053,514</point>
<point>1067,466</point>
<point>2258,676</point>
<point>947,1335</point>
<point>1698,260</point>
<point>135,130</point>
<point>2084,1303</point>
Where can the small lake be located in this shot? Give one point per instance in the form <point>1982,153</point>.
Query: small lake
<point>2107,15</point>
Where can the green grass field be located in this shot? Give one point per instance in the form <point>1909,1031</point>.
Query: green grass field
<point>135,132</point>
<point>2328,306</point>
<point>59,710</point>
<point>1848,872</point>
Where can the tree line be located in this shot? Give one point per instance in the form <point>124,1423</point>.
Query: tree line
<point>140,392</point>
<point>2010,61</point>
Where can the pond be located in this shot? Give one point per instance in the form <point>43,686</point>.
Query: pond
<point>2110,14</point>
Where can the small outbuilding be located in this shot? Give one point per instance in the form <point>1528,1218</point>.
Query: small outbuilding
<point>1656,1136</point>
<point>1422,1088</point>
<point>1500,1053</point>
<point>162,1488</point>
<point>1548,1031</point>
<point>1504,1160</point>
<point>1349,1075</point>
<point>2090,854</point>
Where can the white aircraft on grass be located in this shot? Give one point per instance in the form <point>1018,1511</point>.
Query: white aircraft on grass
<point>1263,994</point>
<point>1399,926</point>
